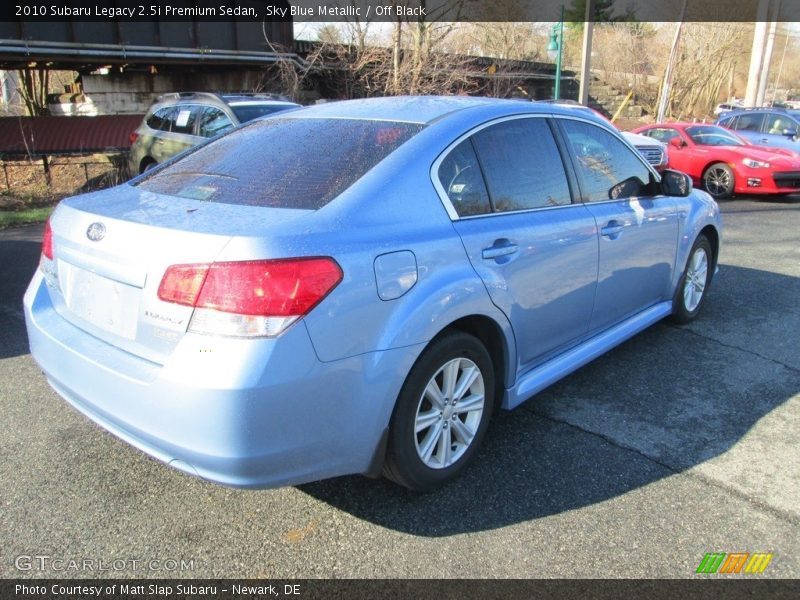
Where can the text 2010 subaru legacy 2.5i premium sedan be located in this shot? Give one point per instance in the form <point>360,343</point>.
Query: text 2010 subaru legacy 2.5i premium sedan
<point>355,287</point>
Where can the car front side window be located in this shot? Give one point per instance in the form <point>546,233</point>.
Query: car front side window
<point>607,168</point>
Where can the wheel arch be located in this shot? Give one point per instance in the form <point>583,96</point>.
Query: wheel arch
<point>491,335</point>
<point>146,160</point>
<point>712,235</point>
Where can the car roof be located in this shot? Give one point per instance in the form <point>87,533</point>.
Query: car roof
<point>428,109</point>
<point>176,98</point>
<point>679,125</point>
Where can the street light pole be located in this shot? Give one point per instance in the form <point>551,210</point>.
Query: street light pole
<point>555,50</point>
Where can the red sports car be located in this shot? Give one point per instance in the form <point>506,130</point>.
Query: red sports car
<point>724,163</point>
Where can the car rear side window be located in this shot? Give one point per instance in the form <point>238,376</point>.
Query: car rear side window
<point>522,165</point>
<point>662,134</point>
<point>282,162</point>
<point>607,168</point>
<point>161,119</point>
<point>460,176</point>
<point>749,122</point>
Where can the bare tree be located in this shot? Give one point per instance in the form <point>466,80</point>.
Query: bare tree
<point>35,85</point>
<point>710,53</point>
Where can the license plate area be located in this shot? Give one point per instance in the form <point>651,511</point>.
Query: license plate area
<point>107,304</point>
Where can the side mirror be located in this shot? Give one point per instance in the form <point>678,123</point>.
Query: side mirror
<point>677,142</point>
<point>790,133</point>
<point>675,183</point>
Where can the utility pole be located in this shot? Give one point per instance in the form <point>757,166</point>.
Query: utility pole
<point>765,63</point>
<point>663,101</point>
<point>757,54</point>
<point>586,54</point>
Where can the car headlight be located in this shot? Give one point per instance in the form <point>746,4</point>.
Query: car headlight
<point>755,164</point>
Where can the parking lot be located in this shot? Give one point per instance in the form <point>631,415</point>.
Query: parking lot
<point>680,442</point>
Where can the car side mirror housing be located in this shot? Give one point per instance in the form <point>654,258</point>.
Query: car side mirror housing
<point>675,183</point>
<point>790,133</point>
<point>677,142</point>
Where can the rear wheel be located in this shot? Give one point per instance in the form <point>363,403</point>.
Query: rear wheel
<point>441,414</point>
<point>719,181</point>
<point>694,283</point>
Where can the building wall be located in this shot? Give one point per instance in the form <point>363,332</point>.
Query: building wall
<point>133,93</point>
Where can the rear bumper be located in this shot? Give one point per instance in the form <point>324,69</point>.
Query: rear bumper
<point>244,413</point>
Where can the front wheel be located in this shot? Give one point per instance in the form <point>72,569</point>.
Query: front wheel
<point>694,283</point>
<point>719,181</point>
<point>441,414</point>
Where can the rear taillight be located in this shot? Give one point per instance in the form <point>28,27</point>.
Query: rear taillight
<point>47,241</point>
<point>252,298</point>
<point>133,136</point>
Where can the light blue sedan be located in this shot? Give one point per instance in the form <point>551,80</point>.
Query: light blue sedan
<point>356,287</point>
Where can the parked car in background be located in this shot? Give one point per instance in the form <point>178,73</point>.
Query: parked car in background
<point>654,151</point>
<point>773,127</point>
<point>181,120</point>
<point>724,107</point>
<point>725,164</point>
<point>356,287</point>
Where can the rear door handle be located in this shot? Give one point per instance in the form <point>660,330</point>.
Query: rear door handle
<point>612,229</point>
<point>498,249</point>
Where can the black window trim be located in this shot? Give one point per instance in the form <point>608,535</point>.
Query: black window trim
<point>442,193</point>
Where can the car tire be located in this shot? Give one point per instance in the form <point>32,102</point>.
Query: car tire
<point>440,419</point>
<point>694,283</point>
<point>719,181</point>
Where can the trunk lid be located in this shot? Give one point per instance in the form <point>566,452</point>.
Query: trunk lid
<point>111,250</point>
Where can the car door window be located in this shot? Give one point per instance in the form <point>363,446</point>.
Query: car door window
<point>607,168</point>
<point>161,119</point>
<point>213,122</point>
<point>748,122</point>
<point>184,119</point>
<point>662,134</point>
<point>460,176</point>
<point>522,165</point>
<point>778,123</point>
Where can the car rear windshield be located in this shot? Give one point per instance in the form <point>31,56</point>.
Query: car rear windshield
<point>282,162</point>
<point>248,112</point>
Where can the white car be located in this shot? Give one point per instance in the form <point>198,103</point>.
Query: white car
<point>654,152</point>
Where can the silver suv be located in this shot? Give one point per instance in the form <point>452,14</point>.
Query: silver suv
<point>184,119</point>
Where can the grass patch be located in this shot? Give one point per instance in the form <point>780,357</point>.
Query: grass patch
<point>10,218</point>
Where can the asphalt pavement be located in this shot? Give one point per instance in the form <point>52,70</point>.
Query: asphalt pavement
<point>681,442</point>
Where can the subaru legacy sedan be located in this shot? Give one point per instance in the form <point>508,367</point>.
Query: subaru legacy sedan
<point>356,287</point>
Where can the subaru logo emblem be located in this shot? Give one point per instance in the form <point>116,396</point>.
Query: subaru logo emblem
<point>96,232</point>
